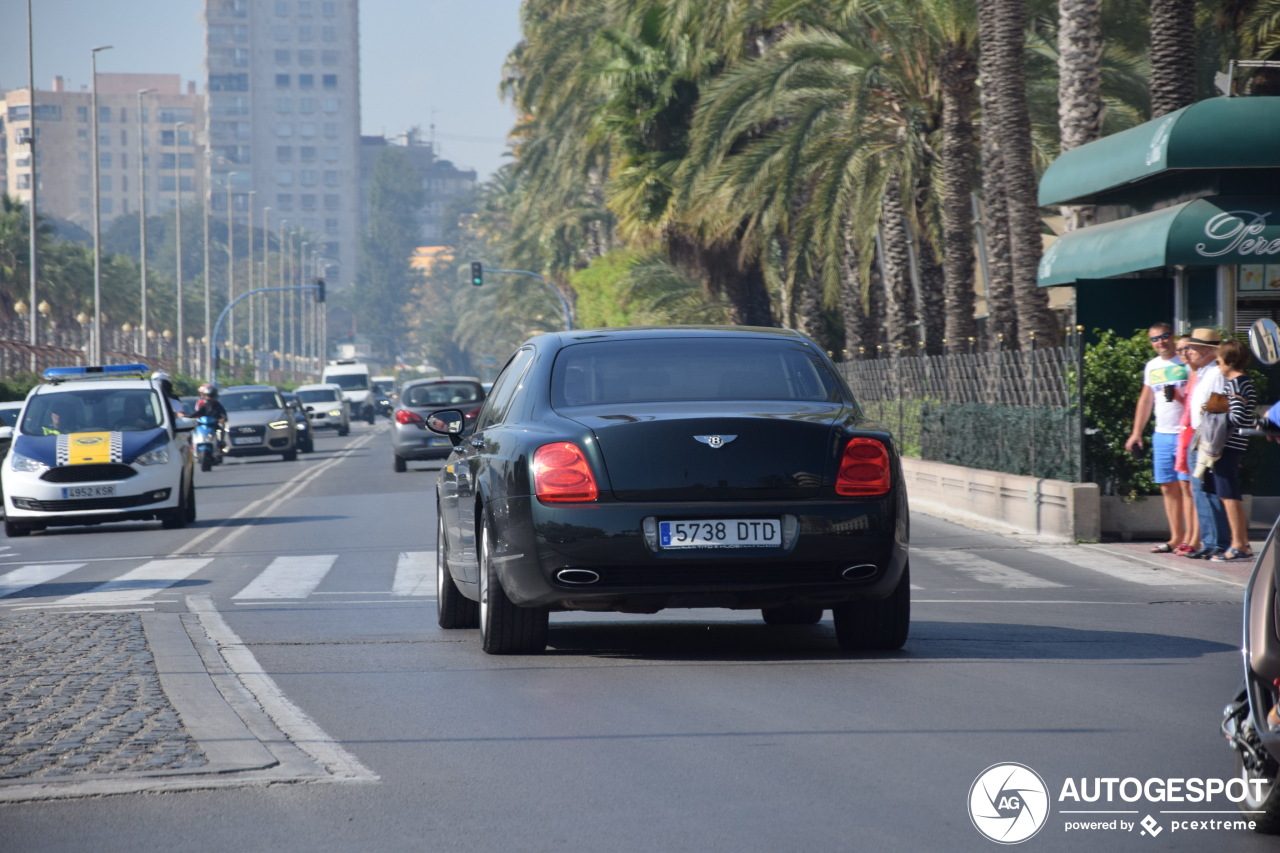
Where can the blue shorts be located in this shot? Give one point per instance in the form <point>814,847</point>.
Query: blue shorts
<point>1164,451</point>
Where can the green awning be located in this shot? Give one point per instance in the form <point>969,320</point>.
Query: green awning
<point>1218,133</point>
<point>1206,232</point>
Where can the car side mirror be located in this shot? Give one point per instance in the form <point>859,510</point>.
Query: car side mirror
<point>183,424</point>
<point>6,432</point>
<point>450,422</point>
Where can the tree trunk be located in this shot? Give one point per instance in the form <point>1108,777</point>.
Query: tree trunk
<point>858,311</point>
<point>900,312</point>
<point>1079,87</point>
<point>1173,55</point>
<point>1002,320</point>
<point>958,73</point>
<point>721,271</point>
<point>1004,39</point>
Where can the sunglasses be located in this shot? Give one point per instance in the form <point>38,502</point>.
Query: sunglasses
<point>1164,337</point>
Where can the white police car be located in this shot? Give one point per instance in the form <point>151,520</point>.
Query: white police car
<point>98,444</point>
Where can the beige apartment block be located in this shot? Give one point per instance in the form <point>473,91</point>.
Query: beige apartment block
<point>283,82</point>
<point>147,146</point>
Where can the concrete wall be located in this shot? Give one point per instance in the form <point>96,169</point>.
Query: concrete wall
<point>1053,509</point>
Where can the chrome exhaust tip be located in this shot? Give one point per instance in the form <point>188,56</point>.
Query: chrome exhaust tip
<point>577,577</point>
<point>860,572</point>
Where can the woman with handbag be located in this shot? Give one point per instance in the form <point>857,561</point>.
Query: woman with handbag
<point>1201,354</point>
<point>1233,358</point>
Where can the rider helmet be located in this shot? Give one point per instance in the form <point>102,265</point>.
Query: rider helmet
<point>208,389</point>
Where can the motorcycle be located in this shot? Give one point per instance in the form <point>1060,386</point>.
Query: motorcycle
<point>208,446</point>
<point>1251,722</point>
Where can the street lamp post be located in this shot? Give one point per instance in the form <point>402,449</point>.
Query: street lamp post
<point>253,358</point>
<point>231,260</point>
<point>31,208</point>
<point>177,168</point>
<point>142,224</point>
<point>266,278</point>
<point>95,350</point>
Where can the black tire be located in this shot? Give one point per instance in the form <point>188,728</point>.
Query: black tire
<point>206,459</point>
<point>191,502</point>
<point>176,518</point>
<point>398,463</point>
<point>506,629</point>
<point>14,529</point>
<point>291,455</point>
<point>369,415</point>
<point>453,609</point>
<point>1263,810</point>
<point>344,430</point>
<point>793,614</point>
<point>878,625</point>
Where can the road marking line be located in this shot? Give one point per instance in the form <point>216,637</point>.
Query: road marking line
<point>415,573</point>
<point>300,729</point>
<point>140,584</point>
<point>34,575</point>
<point>289,577</point>
<point>261,507</point>
<point>1117,567</point>
<point>984,570</point>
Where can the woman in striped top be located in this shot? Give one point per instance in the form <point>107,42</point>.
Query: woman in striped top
<point>1233,358</point>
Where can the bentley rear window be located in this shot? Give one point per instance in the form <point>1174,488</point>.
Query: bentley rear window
<point>692,369</point>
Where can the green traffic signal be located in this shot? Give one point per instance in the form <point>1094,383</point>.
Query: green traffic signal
<point>477,273</point>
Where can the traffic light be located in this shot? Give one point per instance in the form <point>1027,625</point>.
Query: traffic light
<point>477,273</point>
<point>320,292</point>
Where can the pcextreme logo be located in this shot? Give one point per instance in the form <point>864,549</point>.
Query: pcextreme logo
<point>1008,803</point>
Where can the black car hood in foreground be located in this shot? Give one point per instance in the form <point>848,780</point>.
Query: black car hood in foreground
<point>716,451</point>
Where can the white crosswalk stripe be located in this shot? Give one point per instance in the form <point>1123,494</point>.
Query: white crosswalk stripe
<point>139,584</point>
<point>1118,567</point>
<point>29,576</point>
<point>299,576</point>
<point>415,573</point>
<point>983,570</point>
<point>289,577</point>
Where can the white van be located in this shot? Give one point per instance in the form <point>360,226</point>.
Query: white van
<point>356,382</point>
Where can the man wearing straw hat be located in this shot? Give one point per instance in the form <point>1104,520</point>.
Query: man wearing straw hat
<point>1201,355</point>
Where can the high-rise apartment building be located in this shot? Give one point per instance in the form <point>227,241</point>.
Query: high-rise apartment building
<point>139,115</point>
<point>283,89</point>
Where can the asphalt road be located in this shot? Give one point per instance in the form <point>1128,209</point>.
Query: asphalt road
<point>307,593</point>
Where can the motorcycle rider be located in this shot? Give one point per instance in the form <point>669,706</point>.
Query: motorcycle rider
<point>209,404</point>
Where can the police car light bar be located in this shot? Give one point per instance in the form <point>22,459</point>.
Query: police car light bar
<point>97,371</point>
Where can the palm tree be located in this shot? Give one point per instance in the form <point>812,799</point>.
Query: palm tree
<point>1002,25</point>
<point>1173,55</point>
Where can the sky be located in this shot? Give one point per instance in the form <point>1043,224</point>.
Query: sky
<point>422,62</point>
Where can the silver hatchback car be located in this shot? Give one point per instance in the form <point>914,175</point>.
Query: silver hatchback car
<point>410,438</point>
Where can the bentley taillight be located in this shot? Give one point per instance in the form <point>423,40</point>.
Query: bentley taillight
<point>864,469</point>
<point>561,474</point>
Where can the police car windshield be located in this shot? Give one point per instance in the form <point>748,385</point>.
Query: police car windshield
<point>92,410</point>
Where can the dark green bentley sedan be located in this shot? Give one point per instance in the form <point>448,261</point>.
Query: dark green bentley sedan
<point>637,469</point>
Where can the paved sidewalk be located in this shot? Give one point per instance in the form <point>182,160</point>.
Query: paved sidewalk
<point>115,702</point>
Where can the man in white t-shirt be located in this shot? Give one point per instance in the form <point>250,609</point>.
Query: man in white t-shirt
<point>1164,381</point>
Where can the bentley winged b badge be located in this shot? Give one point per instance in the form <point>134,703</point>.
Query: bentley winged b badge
<point>715,440</point>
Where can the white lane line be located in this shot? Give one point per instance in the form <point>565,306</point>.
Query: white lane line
<point>262,507</point>
<point>984,570</point>
<point>140,584</point>
<point>34,575</point>
<point>300,729</point>
<point>415,573</point>
<point>289,577</point>
<point>1118,567</point>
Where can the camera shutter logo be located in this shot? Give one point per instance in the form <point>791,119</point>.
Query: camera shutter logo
<point>1008,803</point>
